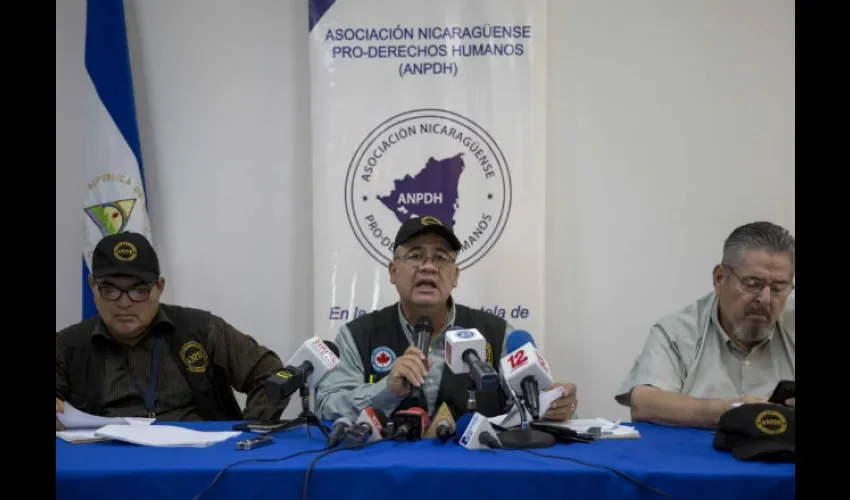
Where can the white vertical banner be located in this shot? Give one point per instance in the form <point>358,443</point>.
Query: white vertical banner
<point>428,108</point>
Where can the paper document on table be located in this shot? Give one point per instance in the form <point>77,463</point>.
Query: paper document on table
<point>512,417</point>
<point>607,429</point>
<point>73,418</point>
<point>163,435</point>
<point>79,436</point>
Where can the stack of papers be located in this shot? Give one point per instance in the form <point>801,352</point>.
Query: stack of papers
<point>513,418</point>
<point>82,427</point>
<point>164,435</point>
<point>608,429</point>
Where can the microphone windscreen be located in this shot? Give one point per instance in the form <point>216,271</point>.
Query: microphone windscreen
<point>425,323</point>
<point>463,423</point>
<point>334,349</point>
<point>517,339</point>
<point>421,411</point>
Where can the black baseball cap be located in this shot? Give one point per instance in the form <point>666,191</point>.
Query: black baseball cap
<point>415,226</point>
<point>125,254</point>
<point>757,432</point>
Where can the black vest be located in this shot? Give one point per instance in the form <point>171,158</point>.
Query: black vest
<point>84,360</point>
<point>382,329</point>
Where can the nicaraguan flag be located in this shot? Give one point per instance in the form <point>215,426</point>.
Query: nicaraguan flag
<point>115,199</point>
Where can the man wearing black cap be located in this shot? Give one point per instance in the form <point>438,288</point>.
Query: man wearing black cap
<point>141,358</point>
<point>372,373</point>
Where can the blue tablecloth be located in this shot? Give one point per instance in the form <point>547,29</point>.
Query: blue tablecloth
<point>677,461</point>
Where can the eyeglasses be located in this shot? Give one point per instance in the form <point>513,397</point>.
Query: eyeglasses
<point>753,285</point>
<point>417,258</point>
<point>138,293</point>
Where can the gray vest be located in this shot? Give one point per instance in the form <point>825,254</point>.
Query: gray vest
<point>383,328</point>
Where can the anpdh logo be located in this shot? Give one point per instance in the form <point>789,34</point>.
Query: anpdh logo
<point>428,162</point>
<point>464,334</point>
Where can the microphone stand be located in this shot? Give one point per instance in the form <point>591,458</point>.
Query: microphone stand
<point>525,436</point>
<point>471,405</point>
<point>306,417</point>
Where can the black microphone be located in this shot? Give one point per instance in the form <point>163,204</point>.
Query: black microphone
<point>422,331</point>
<point>341,425</point>
<point>370,427</point>
<point>410,424</point>
<point>442,425</point>
<point>445,429</point>
<point>310,363</point>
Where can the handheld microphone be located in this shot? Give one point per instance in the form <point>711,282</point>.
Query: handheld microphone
<point>341,425</point>
<point>422,331</point>
<point>443,426</point>
<point>476,433</point>
<point>310,363</point>
<point>410,424</point>
<point>368,428</point>
<point>525,370</point>
<point>464,352</point>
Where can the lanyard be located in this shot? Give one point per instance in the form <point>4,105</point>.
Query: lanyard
<point>150,394</point>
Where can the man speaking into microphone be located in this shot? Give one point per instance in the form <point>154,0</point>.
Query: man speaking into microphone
<point>380,364</point>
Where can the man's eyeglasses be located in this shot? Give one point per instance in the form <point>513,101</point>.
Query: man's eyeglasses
<point>417,258</point>
<point>753,285</point>
<point>138,293</point>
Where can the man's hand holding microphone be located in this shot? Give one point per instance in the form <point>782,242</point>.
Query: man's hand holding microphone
<point>408,371</point>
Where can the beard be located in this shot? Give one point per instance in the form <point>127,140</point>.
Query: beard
<point>753,333</point>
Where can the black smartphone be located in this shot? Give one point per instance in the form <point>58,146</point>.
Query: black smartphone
<point>254,443</point>
<point>784,390</point>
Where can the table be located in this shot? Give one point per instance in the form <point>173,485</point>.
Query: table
<point>678,461</point>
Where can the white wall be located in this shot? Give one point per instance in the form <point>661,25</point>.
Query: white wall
<point>669,124</point>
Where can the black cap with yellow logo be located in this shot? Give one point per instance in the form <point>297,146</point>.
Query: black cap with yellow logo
<point>758,432</point>
<point>125,254</point>
<point>415,226</point>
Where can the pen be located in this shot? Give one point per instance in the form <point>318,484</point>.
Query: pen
<point>371,378</point>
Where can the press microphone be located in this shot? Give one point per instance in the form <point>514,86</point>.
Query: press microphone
<point>310,363</point>
<point>443,426</point>
<point>410,424</point>
<point>422,331</point>
<point>341,425</point>
<point>464,352</point>
<point>525,370</point>
<point>476,433</point>
<point>368,428</point>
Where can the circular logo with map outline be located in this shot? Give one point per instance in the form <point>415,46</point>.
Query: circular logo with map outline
<point>383,359</point>
<point>428,163</point>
